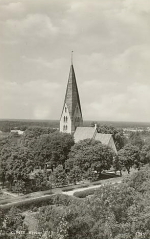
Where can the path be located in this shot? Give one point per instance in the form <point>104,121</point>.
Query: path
<point>70,193</point>
<point>8,193</point>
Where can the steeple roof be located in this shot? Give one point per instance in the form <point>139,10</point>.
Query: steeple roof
<point>72,95</point>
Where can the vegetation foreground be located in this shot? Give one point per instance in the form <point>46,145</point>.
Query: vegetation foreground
<point>119,211</point>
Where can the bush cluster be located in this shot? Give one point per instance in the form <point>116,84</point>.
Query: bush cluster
<point>85,193</point>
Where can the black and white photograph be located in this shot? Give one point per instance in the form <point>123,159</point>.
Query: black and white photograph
<point>74,119</point>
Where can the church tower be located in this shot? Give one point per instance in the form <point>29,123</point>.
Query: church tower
<point>71,116</point>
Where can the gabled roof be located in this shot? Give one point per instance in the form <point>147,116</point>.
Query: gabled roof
<point>72,95</point>
<point>82,133</point>
<point>103,138</point>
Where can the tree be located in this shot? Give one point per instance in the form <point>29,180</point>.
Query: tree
<point>17,164</point>
<point>40,182</point>
<point>74,175</point>
<point>52,223</point>
<point>33,133</point>
<point>135,139</point>
<point>117,165</point>
<point>19,186</point>
<point>145,154</point>
<point>53,149</point>
<point>59,176</point>
<point>129,156</point>
<point>90,155</point>
<point>14,221</point>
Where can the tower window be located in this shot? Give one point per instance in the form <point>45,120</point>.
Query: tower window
<point>65,128</point>
<point>64,119</point>
<point>65,109</point>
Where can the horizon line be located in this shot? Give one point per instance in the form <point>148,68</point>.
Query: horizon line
<point>9,119</point>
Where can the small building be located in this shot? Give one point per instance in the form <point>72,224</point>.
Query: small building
<point>82,133</point>
<point>20,132</point>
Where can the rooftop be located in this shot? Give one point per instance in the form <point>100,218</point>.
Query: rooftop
<point>82,133</point>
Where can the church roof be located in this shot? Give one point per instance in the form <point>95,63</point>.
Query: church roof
<point>103,138</point>
<point>72,95</point>
<point>82,133</point>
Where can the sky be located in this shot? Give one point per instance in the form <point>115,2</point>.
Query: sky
<point>111,44</point>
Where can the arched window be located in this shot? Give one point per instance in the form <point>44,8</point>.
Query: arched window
<point>64,119</point>
<point>66,127</point>
<point>65,109</point>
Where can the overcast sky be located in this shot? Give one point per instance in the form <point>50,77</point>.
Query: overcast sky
<point>111,44</point>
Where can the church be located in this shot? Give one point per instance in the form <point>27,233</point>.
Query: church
<point>71,120</point>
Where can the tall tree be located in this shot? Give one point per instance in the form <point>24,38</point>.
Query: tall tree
<point>53,149</point>
<point>90,155</point>
<point>17,163</point>
<point>145,154</point>
<point>74,175</point>
<point>136,139</point>
<point>129,156</point>
<point>59,176</point>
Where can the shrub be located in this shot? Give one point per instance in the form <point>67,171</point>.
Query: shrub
<point>85,193</point>
<point>35,209</point>
<point>47,193</point>
<point>68,189</point>
<point>84,186</point>
<point>96,183</point>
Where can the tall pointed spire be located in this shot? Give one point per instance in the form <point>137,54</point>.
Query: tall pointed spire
<point>72,58</point>
<point>71,114</point>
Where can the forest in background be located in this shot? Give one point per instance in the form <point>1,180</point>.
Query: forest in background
<point>7,125</point>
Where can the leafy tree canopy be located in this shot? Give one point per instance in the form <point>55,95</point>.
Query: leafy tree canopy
<point>53,149</point>
<point>90,155</point>
<point>145,154</point>
<point>129,156</point>
<point>34,132</point>
<point>136,139</point>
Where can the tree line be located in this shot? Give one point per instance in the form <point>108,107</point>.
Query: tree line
<point>43,158</point>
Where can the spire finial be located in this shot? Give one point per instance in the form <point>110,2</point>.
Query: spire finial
<point>71,57</point>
